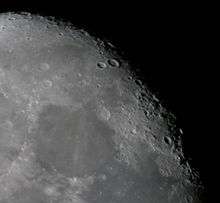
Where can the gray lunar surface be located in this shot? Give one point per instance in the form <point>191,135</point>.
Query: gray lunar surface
<point>76,126</point>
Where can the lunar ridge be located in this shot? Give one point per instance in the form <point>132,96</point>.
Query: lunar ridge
<point>76,126</point>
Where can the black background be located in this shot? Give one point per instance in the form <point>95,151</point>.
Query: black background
<point>166,42</point>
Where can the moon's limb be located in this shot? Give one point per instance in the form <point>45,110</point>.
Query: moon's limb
<point>75,127</point>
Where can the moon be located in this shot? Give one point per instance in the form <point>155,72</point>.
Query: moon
<point>78,126</point>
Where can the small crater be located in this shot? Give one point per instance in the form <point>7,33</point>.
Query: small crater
<point>2,27</point>
<point>60,34</point>
<point>139,82</point>
<point>11,18</point>
<point>134,131</point>
<point>101,65</point>
<point>130,77</point>
<point>44,67</point>
<point>29,38</point>
<point>113,63</point>
<point>167,140</point>
<point>47,83</point>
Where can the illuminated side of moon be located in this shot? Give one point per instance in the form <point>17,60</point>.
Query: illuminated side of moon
<point>77,127</point>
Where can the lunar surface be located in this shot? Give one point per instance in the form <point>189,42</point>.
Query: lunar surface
<point>77,126</point>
